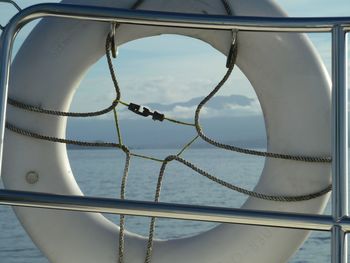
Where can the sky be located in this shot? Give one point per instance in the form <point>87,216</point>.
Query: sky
<point>149,70</point>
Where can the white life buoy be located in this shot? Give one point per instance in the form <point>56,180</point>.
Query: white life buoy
<point>292,86</point>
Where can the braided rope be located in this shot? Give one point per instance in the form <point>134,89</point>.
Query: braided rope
<point>244,150</point>
<point>33,108</point>
<point>280,198</point>
<point>228,8</point>
<point>38,136</point>
<point>122,217</point>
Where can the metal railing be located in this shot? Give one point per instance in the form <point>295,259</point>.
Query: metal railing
<point>338,223</point>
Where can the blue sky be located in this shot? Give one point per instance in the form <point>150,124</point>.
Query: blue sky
<point>167,69</point>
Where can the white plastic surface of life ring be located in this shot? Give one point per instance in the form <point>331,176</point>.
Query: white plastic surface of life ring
<point>292,86</point>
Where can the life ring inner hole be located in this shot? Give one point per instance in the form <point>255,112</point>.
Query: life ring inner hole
<point>184,68</point>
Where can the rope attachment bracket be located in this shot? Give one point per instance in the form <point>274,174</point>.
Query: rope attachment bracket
<point>232,55</point>
<point>112,35</point>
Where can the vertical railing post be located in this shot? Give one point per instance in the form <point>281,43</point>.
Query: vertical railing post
<point>6,45</point>
<point>4,81</point>
<point>339,142</point>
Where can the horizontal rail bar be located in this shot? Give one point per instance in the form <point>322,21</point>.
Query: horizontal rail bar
<point>154,18</point>
<point>176,211</point>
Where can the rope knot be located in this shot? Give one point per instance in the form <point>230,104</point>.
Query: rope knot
<point>125,149</point>
<point>170,158</point>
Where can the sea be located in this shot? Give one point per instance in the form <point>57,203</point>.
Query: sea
<point>98,173</point>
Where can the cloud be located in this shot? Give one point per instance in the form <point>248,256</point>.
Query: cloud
<point>228,110</point>
<point>181,112</point>
<point>166,89</point>
<point>220,106</point>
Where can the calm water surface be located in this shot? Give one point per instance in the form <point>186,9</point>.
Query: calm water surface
<point>98,173</point>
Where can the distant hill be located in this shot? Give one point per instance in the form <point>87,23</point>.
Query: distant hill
<point>145,133</point>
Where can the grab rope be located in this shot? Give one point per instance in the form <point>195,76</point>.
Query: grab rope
<point>111,51</point>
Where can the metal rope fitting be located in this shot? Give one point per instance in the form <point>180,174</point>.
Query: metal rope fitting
<point>232,55</point>
<point>112,34</point>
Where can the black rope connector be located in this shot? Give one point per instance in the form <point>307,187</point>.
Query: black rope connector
<point>145,112</point>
